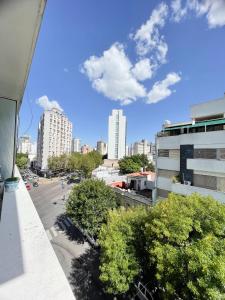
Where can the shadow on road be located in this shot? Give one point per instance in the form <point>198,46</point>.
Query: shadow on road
<point>84,277</point>
<point>72,232</point>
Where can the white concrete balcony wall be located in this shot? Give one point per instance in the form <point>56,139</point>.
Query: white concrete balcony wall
<point>201,140</point>
<point>209,108</point>
<point>188,190</point>
<point>29,268</point>
<point>207,165</point>
<point>166,163</point>
<point>164,183</point>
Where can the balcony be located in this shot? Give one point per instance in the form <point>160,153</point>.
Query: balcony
<point>28,264</point>
<point>183,189</point>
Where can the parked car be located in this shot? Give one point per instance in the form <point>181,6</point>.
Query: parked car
<point>35,184</point>
<point>28,186</point>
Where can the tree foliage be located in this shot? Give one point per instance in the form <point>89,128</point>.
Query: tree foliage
<point>89,203</point>
<point>121,248</point>
<point>186,243</point>
<point>21,160</point>
<point>135,163</point>
<point>85,163</point>
<point>182,239</point>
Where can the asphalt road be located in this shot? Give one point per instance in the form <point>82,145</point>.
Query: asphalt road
<point>78,260</point>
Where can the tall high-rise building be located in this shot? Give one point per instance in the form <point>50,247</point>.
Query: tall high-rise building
<point>102,147</point>
<point>54,136</point>
<point>117,135</point>
<point>76,145</point>
<point>24,145</point>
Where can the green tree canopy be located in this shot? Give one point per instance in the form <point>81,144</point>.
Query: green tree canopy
<point>21,160</point>
<point>135,163</point>
<point>177,245</point>
<point>121,248</point>
<point>185,237</point>
<point>127,165</point>
<point>89,203</point>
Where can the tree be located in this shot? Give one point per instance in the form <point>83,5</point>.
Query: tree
<point>127,165</point>
<point>89,203</point>
<point>178,246</point>
<point>96,157</point>
<point>150,167</point>
<point>121,248</point>
<point>87,165</point>
<point>21,160</point>
<point>185,237</point>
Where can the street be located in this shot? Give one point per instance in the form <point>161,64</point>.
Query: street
<point>77,258</point>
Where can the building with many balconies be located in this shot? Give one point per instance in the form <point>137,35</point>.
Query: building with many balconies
<point>54,136</point>
<point>191,155</point>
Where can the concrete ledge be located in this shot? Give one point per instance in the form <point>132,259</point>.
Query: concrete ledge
<point>29,268</point>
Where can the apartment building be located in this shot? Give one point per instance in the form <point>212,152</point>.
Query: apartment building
<point>117,127</point>
<point>191,155</point>
<point>76,145</point>
<point>86,149</point>
<point>54,136</point>
<point>24,145</point>
<point>144,147</point>
<point>101,147</point>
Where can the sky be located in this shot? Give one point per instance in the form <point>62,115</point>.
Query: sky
<point>152,59</point>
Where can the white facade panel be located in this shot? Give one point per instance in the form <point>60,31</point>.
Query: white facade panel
<point>168,164</point>
<point>188,190</point>
<point>213,139</point>
<point>206,165</point>
<point>210,108</point>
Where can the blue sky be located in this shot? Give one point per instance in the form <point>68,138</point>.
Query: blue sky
<point>152,59</point>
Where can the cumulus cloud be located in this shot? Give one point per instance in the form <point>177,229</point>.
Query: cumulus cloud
<point>161,89</point>
<point>143,69</point>
<point>66,70</point>
<point>147,37</point>
<point>111,74</point>
<point>178,11</point>
<point>47,104</point>
<point>214,10</point>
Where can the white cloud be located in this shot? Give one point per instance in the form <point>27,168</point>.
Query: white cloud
<point>143,69</point>
<point>111,74</point>
<point>178,12</point>
<point>66,70</point>
<point>161,89</point>
<point>47,104</point>
<point>147,37</point>
<point>213,9</point>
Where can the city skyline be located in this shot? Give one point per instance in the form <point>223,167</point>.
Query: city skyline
<point>61,69</point>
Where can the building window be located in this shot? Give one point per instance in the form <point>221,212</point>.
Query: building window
<point>163,153</point>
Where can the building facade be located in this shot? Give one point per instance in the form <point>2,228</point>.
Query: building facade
<point>54,136</point>
<point>191,155</point>
<point>144,147</point>
<point>24,145</point>
<point>86,149</point>
<point>117,128</point>
<point>102,147</point>
<point>76,145</point>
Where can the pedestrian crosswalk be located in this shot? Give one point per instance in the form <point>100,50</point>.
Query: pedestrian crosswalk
<point>58,228</point>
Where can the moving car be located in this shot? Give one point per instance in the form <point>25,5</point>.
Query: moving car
<point>35,184</point>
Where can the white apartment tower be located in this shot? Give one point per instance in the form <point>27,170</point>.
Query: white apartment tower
<point>117,135</point>
<point>24,145</point>
<point>54,136</point>
<point>191,155</point>
<point>76,145</point>
<point>101,147</point>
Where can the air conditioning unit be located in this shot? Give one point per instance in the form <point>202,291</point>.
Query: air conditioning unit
<point>187,182</point>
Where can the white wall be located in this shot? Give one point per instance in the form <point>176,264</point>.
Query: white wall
<point>209,108</point>
<point>187,190</point>
<point>206,165</point>
<point>166,163</point>
<point>213,139</point>
<point>7,134</point>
